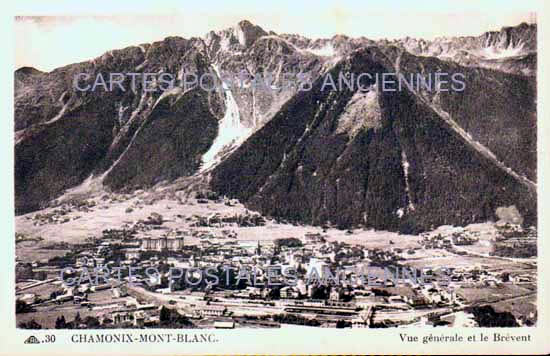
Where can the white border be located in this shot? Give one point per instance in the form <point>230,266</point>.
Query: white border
<point>248,341</point>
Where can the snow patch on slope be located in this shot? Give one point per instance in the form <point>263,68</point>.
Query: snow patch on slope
<point>406,165</point>
<point>493,52</point>
<point>361,112</point>
<point>326,51</point>
<point>231,132</point>
<point>62,111</point>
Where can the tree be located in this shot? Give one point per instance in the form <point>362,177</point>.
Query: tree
<point>487,317</point>
<point>295,319</point>
<point>505,277</point>
<point>55,294</point>
<point>381,292</point>
<point>164,314</point>
<point>170,318</point>
<point>91,322</point>
<point>409,225</point>
<point>41,275</point>
<point>320,292</point>
<point>60,322</point>
<point>340,324</point>
<point>30,325</point>
<point>22,307</point>
<point>288,242</point>
<point>77,320</point>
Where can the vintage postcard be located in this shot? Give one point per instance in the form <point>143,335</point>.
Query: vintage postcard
<point>274,178</point>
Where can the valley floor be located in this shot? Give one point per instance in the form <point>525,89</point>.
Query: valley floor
<point>224,231</point>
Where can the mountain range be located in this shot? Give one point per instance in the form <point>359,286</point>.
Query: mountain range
<point>404,160</point>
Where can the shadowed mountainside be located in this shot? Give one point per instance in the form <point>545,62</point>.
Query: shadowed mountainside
<point>400,161</point>
<point>404,160</point>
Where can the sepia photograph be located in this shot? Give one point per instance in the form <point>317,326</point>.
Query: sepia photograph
<point>260,169</point>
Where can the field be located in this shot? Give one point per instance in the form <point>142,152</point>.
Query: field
<point>493,294</point>
<point>518,307</point>
<point>125,210</point>
<point>113,215</point>
<point>46,314</point>
<point>452,260</point>
<point>37,251</point>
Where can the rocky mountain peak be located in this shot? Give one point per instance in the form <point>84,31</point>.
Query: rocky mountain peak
<point>248,33</point>
<point>27,71</point>
<point>236,38</point>
<point>269,147</point>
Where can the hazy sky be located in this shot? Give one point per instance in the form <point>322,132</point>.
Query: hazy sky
<point>67,31</point>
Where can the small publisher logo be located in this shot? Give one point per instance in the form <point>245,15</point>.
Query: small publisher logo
<point>32,340</point>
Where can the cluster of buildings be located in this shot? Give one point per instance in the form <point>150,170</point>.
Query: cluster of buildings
<point>351,300</point>
<point>162,244</point>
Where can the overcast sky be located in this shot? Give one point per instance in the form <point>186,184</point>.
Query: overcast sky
<point>68,31</point>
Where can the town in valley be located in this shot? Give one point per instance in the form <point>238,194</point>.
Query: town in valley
<point>478,275</point>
